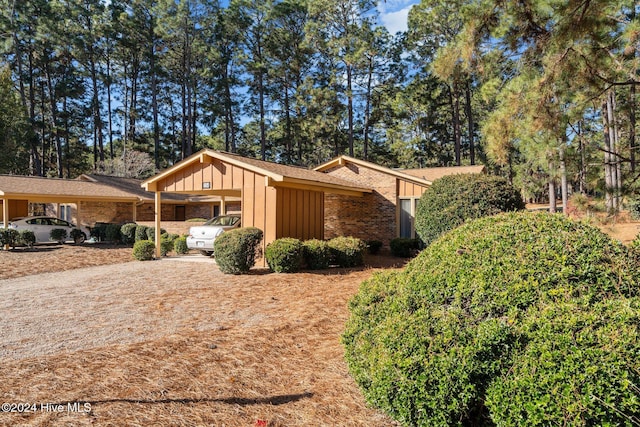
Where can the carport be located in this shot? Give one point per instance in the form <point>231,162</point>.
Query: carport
<point>16,192</point>
<point>282,201</point>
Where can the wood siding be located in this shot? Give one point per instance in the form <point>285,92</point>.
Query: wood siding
<point>300,214</point>
<point>409,189</point>
<point>189,179</point>
<point>17,208</point>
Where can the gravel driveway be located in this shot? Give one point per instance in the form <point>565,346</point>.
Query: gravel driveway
<point>112,304</point>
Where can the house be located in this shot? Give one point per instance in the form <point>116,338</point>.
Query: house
<point>389,210</point>
<point>345,196</point>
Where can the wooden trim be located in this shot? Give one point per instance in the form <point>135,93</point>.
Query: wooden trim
<point>5,216</point>
<point>325,188</point>
<point>158,219</point>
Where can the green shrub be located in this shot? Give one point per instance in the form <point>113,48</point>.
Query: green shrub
<point>77,235</point>
<point>517,319</point>
<point>166,243</point>
<point>317,254</point>
<point>373,246</point>
<point>144,250</point>
<point>634,208</point>
<point>236,250</point>
<point>58,235</point>
<point>180,245</point>
<point>141,233</point>
<point>404,247</point>
<point>9,236</point>
<point>454,199</point>
<point>151,233</point>
<point>112,233</point>
<point>27,238</point>
<point>347,251</point>
<point>128,233</point>
<point>284,255</point>
<point>197,220</point>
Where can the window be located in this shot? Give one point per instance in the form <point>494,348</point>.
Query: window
<point>65,212</point>
<point>407,208</point>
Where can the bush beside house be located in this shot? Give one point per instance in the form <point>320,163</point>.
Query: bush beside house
<point>236,250</point>
<point>515,319</point>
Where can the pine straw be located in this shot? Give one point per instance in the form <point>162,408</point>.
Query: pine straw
<point>287,370</point>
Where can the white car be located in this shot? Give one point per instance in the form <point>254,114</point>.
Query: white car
<point>42,226</point>
<point>202,237</point>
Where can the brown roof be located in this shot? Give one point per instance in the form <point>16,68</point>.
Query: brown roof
<point>398,173</point>
<point>63,189</point>
<point>431,174</point>
<point>276,171</point>
<point>131,186</point>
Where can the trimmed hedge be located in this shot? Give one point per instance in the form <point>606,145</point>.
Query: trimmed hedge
<point>404,247</point>
<point>128,233</point>
<point>144,250</point>
<point>180,245</point>
<point>58,235</point>
<point>27,238</point>
<point>77,235</point>
<point>9,236</point>
<point>236,250</point>
<point>454,199</point>
<point>317,254</point>
<point>517,319</point>
<point>347,251</point>
<point>284,255</point>
<point>141,233</point>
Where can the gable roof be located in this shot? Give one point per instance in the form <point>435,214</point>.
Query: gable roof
<point>342,160</point>
<point>131,186</point>
<point>278,173</point>
<point>58,190</point>
<point>431,174</point>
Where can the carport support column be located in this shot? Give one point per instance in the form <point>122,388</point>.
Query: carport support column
<point>5,217</point>
<point>158,213</point>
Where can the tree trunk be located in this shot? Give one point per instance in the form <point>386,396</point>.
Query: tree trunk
<point>553,208</point>
<point>350,106</point>
<point>54,123</point>
<point>367,109</point>
<point>632,127</point>
<point>564,188</point>
<point>470,124</point>
<point>455,116</point>
<point>154,94</point>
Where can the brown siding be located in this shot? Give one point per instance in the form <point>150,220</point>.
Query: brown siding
<point>17,208</point>
<point>92,212</point>
<point>409,189</point>
<point>300,214</point>
<point>371,217</point>
<point>221,175</point>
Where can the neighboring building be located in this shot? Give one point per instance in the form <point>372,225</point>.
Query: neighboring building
<point>389,210</point>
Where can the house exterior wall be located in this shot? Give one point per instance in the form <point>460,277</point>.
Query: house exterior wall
<point>371,217</point>
<point>300,214</point>
<point>92,212</point>
<point>16,208</point>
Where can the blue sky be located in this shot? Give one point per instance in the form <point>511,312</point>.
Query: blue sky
<point>393,14</point>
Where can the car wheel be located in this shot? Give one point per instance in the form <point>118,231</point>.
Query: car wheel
<point>206,253</point>
<point>80,239</point>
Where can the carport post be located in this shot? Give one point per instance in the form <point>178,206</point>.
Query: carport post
<point>5,216</point>
<point>158,210</point>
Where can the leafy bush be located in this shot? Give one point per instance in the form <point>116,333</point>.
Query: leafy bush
<point>404,247</point>
<point>634,208</point>
<point>58,235</point>
<point>151,233</point>
<point>128,233</point>
<point>180,245</point>
<point>347,251</point>
<point>141,233</point>
<point>112,233</point>
<point>454,199</point>
<point>196,220</point>
<point>317,254</point>
<point>236,250</point>
<point>77,235</point>
<point>517,319</point>
<point>9,236</point>
<point>373,246</point>
<point>284,255</point>
<point>27,238</point>
<point>144,250</point>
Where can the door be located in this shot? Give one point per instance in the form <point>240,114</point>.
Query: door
<point>180,213</point>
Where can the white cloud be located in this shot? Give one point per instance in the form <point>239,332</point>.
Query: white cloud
<point>395,21</point>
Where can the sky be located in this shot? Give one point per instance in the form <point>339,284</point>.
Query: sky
<point>393,14</point>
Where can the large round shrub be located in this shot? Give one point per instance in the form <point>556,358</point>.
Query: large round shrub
<point>144,250</point>
<point>516,319</point>
<point>128,233</point>
<point>317,254</point>
<point>347,251</point>
<point>236,250</point>
<point>454,199</point>
<point>284,255</point>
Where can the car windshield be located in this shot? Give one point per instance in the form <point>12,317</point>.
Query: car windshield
<point>226,221</point>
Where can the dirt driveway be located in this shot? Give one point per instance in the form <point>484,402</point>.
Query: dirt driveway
<point>176,342</point>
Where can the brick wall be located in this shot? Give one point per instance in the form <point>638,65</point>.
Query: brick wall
<point>92,212</point>
<point>372,217</point>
